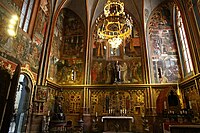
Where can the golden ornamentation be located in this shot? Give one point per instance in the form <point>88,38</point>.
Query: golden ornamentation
<point>114,25</point>
<point>27,71</point>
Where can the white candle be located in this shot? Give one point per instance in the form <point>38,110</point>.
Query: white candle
<point>96,114</point>
<point>190,104</point>
<point>165,105</point>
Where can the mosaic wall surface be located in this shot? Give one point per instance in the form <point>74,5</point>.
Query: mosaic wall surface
<point>162,46</point>
<point>127,57</point>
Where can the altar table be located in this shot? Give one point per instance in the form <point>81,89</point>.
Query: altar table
<point>117,123</point>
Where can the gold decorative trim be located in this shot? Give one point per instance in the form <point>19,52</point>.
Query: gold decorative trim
<point>7,68</point>
<point>26,70</point>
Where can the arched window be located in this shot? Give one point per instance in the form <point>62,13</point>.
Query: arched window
<point>26,14</point>
<point>183,44</point>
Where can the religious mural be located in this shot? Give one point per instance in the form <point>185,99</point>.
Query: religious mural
<point>128,71</point>
<point>41,24</point>
<point>121,65</point>
<point>162,46</point>
<point>68,50</point>
<point>73,44</point>
<point>70,72</point>
<point>55,49</point>
<point>18,49</point>
<point>191,95</point>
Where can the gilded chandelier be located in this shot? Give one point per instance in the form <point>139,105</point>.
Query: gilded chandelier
<point>114,25</point>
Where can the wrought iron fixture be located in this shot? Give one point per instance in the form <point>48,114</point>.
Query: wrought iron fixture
<point>114,25</point>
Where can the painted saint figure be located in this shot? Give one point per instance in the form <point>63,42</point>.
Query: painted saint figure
<point>109,73</point>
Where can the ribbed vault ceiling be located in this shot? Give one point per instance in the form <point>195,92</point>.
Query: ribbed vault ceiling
<point>89,10</point>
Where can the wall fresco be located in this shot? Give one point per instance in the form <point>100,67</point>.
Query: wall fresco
<point>106,71</point>
<point>162,46</point>
<point>19,49</point>
<point>68,50</point>
<point>55,50</point>
<point>40,24</point>
<point>13,5</point>
<point>70,72</point>
<point>192,99</point>
<point>127,58</point>
<point>74,39</point>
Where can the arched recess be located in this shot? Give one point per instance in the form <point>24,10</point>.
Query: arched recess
<point>23,101</point>
<point>168,99</point>
<point>28,73</point>
<point>161,45</point>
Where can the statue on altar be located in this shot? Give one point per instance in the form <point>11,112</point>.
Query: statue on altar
<point>117,72</point>
<point>123,69</point>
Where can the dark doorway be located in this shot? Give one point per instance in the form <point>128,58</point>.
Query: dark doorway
<point>21,105</point>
